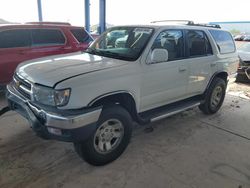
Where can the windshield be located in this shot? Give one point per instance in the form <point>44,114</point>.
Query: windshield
<point>126,43</point>
<point>245,47</point>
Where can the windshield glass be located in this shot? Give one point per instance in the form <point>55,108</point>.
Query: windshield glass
<point>245,47</point>
<point>126,43</point>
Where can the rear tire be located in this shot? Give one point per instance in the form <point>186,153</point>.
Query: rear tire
<point>214,96</point>
<point>112,135</point>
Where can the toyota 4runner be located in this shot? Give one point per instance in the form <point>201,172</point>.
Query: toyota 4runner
<point>144,74</point>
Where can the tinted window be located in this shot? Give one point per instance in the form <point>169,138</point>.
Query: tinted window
<point>223,40</point>
<point>14,38</point>
<point>81,35</point>
<point>171,40</point>
<point>44,37</point>
<point>198,44</point>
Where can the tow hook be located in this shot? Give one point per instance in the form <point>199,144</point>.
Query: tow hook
<point>4,110</point>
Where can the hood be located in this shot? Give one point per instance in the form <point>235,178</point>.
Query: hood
<point>51,70</point>
<point>245,56</point>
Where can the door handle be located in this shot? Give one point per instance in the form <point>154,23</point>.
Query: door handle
<point>182,69</point>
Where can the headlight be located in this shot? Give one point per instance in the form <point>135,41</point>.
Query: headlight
<point>49,96</point>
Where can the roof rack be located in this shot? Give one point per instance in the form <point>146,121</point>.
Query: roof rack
<point>205,25</point>
<point>189,22</point>
<point>50,23</point>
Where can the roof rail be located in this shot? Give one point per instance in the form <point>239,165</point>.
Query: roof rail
<point>49,23</point>
<point>188,22</point>
<point>205,25</point>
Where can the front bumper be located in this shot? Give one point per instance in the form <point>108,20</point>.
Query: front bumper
<point>75,127</point>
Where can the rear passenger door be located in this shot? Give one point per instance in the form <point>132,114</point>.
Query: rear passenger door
<point>200,60</point>
<point>47,42</point>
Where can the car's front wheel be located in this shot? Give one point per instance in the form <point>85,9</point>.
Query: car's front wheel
<point>110,138</point>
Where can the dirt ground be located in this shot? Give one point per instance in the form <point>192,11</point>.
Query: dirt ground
<point>188,150</point>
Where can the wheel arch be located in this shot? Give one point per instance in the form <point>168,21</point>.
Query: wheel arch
<point>222,74</point>
<point>123,98</point>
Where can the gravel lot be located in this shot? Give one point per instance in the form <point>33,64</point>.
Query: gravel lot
<point>186,150</point>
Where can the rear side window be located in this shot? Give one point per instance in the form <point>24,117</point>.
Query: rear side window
<point>198,43</point>
<point>47,37</point>
<point>224,41</point>
<point>81,35</point>
<point>15,38</point>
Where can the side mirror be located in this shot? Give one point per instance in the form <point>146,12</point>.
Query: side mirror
<point>159,55</point>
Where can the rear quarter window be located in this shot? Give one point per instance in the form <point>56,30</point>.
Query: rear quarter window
<point>224,41</point>
<point>81,35</point>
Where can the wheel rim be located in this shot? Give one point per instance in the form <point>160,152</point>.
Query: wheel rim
<point>108,136</point>
<point>216,97</point>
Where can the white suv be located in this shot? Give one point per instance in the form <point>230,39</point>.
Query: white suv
<point>142,74</point>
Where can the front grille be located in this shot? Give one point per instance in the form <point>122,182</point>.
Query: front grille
<point>22,86</point>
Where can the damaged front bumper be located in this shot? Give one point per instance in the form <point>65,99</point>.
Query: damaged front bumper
<point>68,125</point>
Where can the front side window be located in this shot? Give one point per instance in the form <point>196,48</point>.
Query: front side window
<point>198,44</point>
<point>47,37</point>
<point>81,35</point>
<point>224,41</point>
<point>125,43</point>
<point>15,38</point>
<point>172,41</point>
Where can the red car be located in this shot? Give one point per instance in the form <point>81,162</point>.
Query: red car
<point>21,42</point>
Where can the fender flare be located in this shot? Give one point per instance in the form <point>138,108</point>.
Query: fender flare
<point>212,78</point>
<point>110,94</point>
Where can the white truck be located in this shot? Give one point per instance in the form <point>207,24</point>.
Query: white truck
<point>142,74</point>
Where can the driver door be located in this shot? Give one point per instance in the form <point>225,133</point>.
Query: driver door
<point>165,82</point>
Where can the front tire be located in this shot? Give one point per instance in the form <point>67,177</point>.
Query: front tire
<point>214,96</point>
<point>112,135</point>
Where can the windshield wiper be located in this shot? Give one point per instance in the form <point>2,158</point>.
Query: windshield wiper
<point>107,54</point>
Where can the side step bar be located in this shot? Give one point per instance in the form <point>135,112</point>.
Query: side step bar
<point>176,111</point>
<point>169,109</point>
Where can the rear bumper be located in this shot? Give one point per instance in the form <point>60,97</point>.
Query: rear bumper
<point>72,128</point>
<point>243,74</point>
